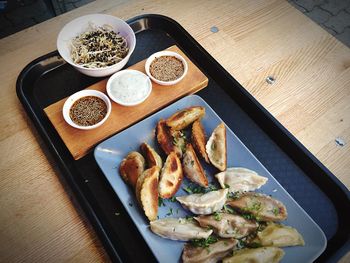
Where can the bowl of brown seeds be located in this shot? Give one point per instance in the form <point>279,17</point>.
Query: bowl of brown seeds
<point>86,109</point>
<point>166,67</point>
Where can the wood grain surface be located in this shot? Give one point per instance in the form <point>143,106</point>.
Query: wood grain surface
<point>122,117</point>
<point>40,221</point>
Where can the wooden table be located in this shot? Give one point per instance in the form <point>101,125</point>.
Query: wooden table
<point>39,219</point>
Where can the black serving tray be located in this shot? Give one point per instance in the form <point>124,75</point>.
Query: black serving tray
<point>49,79</point>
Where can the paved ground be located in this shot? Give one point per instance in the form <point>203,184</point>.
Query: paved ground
<point>15,15</point>
<point>332,15</point>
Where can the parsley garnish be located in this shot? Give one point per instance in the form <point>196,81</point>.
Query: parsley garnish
<point>196,189</point>
<point>160,202</point>
<point>275,211</point>
<point>172,199</point>
<point>189,218</point>
<point>233,195</point>
<point>217,216</point>
<point>228,209</point>
<point>204,243</point>
<point>248,216</point>
<point>170,212</point>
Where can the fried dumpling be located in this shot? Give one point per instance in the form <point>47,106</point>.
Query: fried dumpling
<point>256,255</point>
<point>216,147</point>
<point>211,254</point>
<point>131,167</point>
<point>199,140</point>
<point>179,229</point>
<point>152,157</point>
<point>262,207</point>
<point>204,204</point>
<point>192,168</point>
<point>228,225</point>
<point>147,192</point>
<point>171,176</point>
<point>275,235</point>
<point>166,140</point>
<point>179,140</point>
<point>181,119</point>
<point>240,179</point>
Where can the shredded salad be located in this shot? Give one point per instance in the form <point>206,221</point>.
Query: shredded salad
<point>98,47</point>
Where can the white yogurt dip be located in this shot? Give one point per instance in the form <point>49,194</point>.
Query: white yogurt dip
<point>129,87</point>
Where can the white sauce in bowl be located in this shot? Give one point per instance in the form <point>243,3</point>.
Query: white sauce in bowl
<point>129,87</point>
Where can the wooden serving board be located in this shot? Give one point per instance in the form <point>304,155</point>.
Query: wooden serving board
<point>80,142</point>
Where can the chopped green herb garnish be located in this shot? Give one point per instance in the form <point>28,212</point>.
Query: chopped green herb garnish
<point>229,210</point>
<point>187,189</point>
<point>227,186</point>
<point>170,212</point>
<point>189,218</point>
<point>248,216</point>
<point>256,206</point>
<point>217,216</point>
<point>196,189</point>
<point>203,242</point>
<point>172,199</point>
<point>233,195</point>
<point>275,211</point>
<point>210,188</point>
<point>160,202</point>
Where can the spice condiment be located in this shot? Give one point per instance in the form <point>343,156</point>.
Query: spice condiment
<point>88,111</point>
<point>167,68</point>
<point>99,47</point>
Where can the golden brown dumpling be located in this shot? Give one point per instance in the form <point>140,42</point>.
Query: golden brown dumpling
<point>131,167</point>
<point>151,156</point>
<point>199,140</point>
<point>216,147</point>
<point>171,176</point>
<point>185,117</point>
<point>192,168</point>
<point>166,140</point>
<point>147,192</point>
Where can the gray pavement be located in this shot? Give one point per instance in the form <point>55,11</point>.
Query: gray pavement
<point>332,15</point>
<point>16,15</point>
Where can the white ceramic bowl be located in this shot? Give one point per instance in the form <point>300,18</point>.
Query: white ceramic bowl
<point>81,25</point>
<point>165,53</point>
<point>129,83</point>
<point>73,98</point>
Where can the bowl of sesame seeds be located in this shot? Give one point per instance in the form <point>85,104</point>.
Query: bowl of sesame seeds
<point>166,67</point>
<point>97,45</point>
<point>86,109</point>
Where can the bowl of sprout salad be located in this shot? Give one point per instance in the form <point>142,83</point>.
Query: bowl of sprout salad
<point>97,45</point>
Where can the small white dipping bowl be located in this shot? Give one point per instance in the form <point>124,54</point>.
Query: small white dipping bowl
<point>161,54</point>
<point>80,94</point>
<point>129,87</point>
<point>81,25</point>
